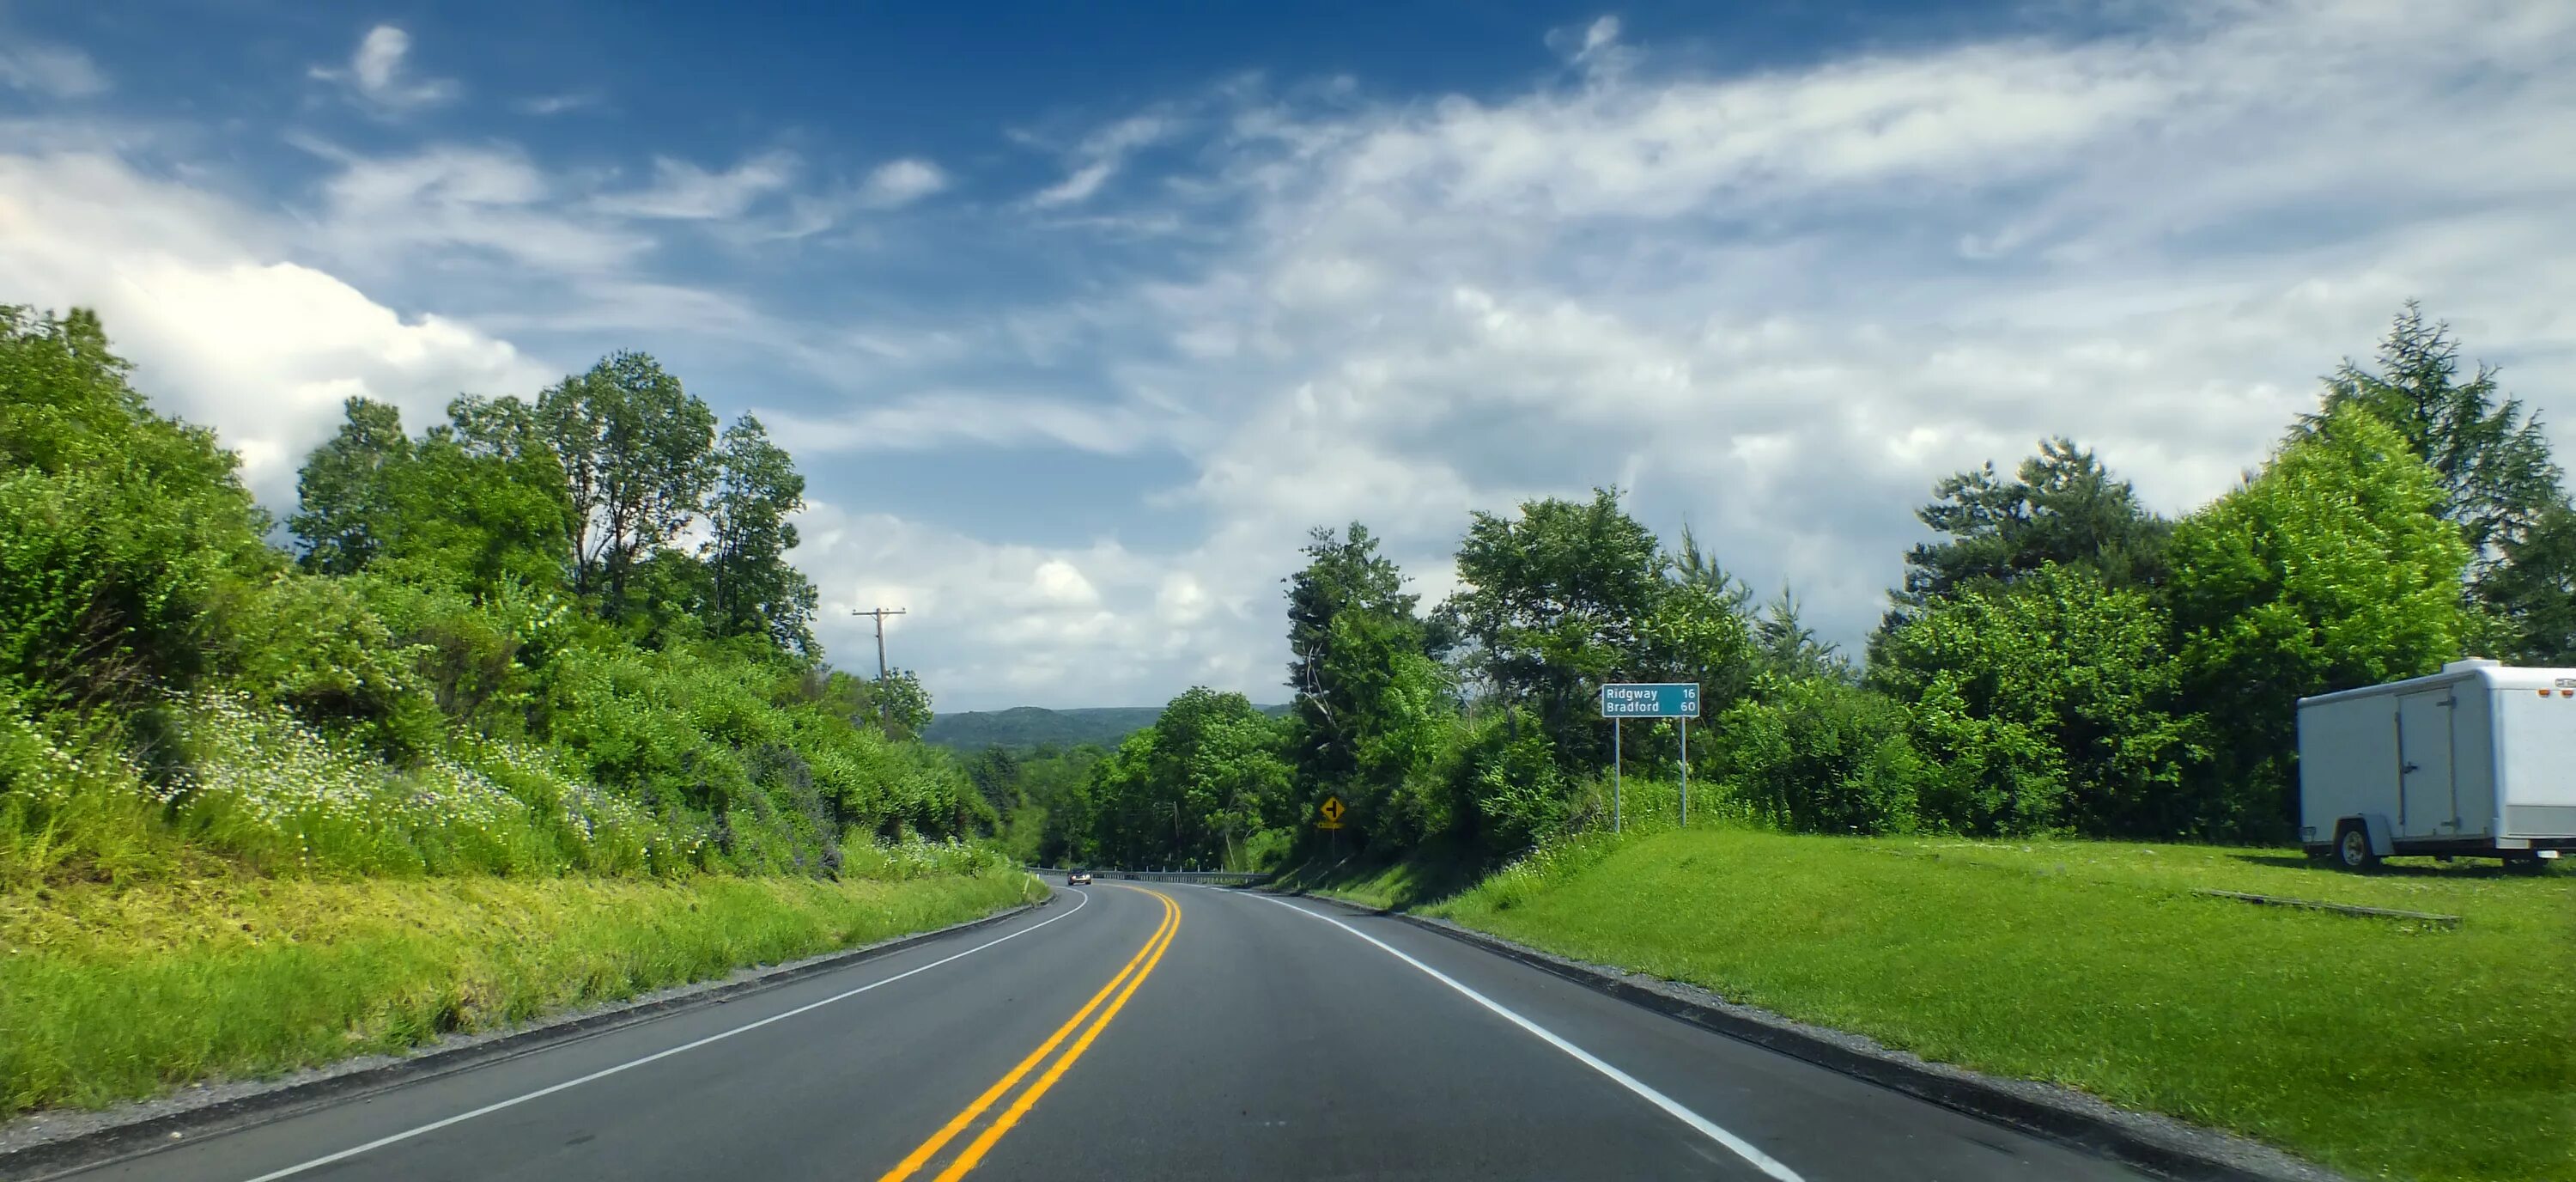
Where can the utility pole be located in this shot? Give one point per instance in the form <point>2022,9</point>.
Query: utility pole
<point>880,614</point>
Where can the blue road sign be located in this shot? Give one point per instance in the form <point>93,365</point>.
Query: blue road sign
<point>1650,700</point>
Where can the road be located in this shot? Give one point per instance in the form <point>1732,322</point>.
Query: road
<point>1132,1032</point>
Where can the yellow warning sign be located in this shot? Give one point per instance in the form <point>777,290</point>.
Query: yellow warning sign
<point>1331,810</point>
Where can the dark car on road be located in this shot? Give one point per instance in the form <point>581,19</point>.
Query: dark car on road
<point>1078,878</point>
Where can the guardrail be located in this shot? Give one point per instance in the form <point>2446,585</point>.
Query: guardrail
<point>1213,877</point>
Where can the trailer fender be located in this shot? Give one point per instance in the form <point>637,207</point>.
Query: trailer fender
<point>2383,841</point>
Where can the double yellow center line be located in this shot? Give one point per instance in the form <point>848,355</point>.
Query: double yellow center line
<point>1137,969</point>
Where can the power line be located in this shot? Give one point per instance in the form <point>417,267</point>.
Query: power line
<point>880,614</point>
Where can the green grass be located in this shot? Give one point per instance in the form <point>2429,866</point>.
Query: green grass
<point>1435,872</point>
<point>113,993</point>
<point>2382,1048</point>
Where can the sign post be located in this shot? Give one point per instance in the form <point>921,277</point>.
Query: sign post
<point>1670,699</point>
<point>1328,817</point>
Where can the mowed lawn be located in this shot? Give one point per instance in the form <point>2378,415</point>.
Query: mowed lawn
<point>2383,1048</point>
<point>112,994</point>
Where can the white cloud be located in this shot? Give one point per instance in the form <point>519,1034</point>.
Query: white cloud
<point>1077,185</point>
<point>1779,305</point>
<point>222,330</point>
<point>54,71</point>
<point>991,625</point>
<point>557,104</point>
<point>379,75</point>
<point>901,182</point>
<point>491,201</point>
<point>1101,153</point>
<point>947,419</point>
<point>1776,304</point>
<point>682,190</point>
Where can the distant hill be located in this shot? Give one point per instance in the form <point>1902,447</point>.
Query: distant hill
<point>1021,728</point>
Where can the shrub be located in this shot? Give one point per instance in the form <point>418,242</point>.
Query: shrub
<point>1520,797</point>
<point>1820,755</point>
<point>115,524</point>
<point>314,646</point>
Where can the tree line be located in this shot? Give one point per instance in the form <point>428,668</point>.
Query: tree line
<point>2059,659</point>
<point>572,608</point>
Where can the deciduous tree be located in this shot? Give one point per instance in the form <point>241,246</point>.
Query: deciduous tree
<point>635,450</point>
<point>2331,569</point>
<point>752,589</point>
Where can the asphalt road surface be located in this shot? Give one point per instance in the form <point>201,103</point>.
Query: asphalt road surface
<point>1127,1032</point>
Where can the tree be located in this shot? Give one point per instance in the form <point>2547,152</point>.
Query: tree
<point>482,503</point>
<point>1698,633</point>
<point>1343,574</point>
<point>475,502</point>
<point>995,772</point>
<point>1186,789</point>
<point>2532,593</point>
<point>1788,647</point>
<point>1553,605</point>
<point>345,497</point>
<point>2047,705</point>
<point>1396,708</point>
<point>1692,566</point>
<point>2492,462</point>
<point>2331,569</point>
<point>2063,507</point>
<point>753,590</point>
<point>635,452</point>
<point>899,703</point>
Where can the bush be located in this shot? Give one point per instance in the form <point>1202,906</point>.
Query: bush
<point>1819,755</point>
<point>115,524</point>
<point>1520,796</point>
<point>314,646</point>
<point>263,786</point>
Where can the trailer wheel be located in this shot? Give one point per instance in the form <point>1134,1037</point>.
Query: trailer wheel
<point>2352,847</point>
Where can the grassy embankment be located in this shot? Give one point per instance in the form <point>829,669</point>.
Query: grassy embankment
<point>110,994</point>
<point>2380,1047</point>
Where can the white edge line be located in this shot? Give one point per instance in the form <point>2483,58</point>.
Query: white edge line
<point>605,1072</point>
<point>1743,1149</point>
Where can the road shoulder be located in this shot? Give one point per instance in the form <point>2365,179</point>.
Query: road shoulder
<point>2152,1142</point>
<point>52,1143</point>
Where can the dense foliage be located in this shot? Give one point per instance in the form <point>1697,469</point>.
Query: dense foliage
<point>2059,659</point>
<point>494,650</point>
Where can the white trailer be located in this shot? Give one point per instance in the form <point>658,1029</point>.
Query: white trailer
<point>2478,760</point>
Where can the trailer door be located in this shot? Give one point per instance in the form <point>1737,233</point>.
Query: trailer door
<point>2425,804</point>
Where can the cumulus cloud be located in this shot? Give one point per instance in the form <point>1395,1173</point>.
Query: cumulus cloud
<point>1775,303</point>
<point>1779,304</point>
<point>54,71</point>
<point>223,331</point>
<point>379,75</point>
<point>991,624</point>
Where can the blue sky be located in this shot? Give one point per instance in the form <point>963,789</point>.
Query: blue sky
<point>1076,320</point>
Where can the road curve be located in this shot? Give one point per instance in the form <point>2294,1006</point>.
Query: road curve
<point>1126,1032</point>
